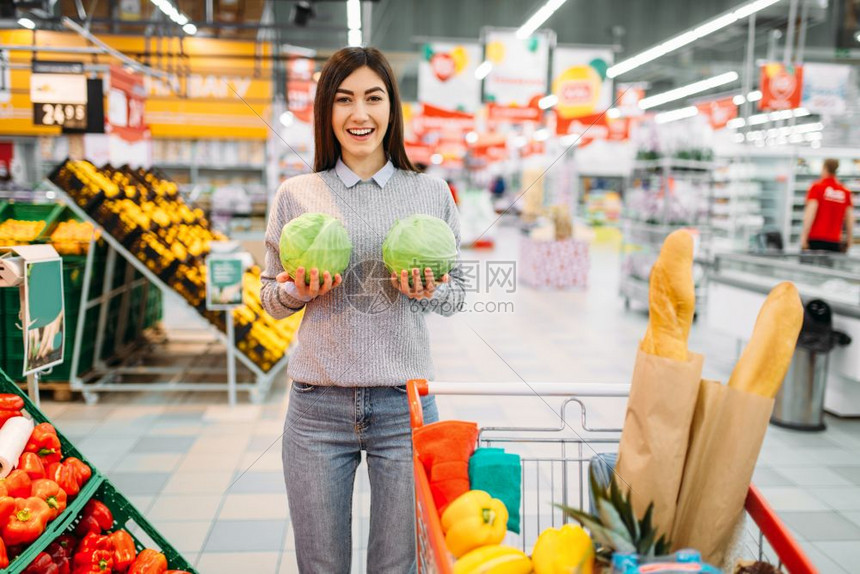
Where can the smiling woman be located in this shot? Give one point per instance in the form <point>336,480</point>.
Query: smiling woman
<point>358,344</point>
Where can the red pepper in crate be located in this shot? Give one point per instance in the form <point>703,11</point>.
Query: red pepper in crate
<point>124,551</point>
<point>94,554</point>
<point>42,564</point>
<point>6,415</point>
<point>17,484</point>
<point>88,525</point>
<point>45,442</point>
<point>97,509</point>
<point>50,492</point>
<point>149,561</point>
<point>61,550</point>
<point>32,465</point>
<point>11,402</point>
<point>4,558</point>
<point>64,475</point>
<point>83,473</point>
<point>27,522</point>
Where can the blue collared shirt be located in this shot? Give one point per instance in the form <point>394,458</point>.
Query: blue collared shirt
<point>349,177</point>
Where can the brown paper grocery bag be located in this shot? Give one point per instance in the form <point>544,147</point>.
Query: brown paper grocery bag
<point>656,433</point>
<point>725,439</point>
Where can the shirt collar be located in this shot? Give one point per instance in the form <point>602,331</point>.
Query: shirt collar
<point>350,178</point>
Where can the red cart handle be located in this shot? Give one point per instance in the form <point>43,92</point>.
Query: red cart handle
<point>415,389</point>
<point>789,552</point>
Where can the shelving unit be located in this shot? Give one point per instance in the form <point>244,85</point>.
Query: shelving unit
<point>663,196</point>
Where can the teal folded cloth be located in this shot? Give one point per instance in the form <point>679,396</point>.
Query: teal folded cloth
<point>498,473</point>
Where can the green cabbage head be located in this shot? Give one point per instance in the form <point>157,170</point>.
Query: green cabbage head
<point>420,241</point>
<point>315,240</point>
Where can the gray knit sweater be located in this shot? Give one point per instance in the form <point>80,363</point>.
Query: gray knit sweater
<point>363,333</point>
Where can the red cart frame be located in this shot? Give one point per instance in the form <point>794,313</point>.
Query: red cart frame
<point>433,556</point>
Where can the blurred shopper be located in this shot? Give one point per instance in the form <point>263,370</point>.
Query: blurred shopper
<point>829,210</point>
<point>359,342</point>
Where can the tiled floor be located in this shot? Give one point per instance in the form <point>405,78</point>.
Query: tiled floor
<point>210,479</point>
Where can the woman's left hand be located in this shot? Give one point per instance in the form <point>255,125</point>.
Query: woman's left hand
<point>419,289</point>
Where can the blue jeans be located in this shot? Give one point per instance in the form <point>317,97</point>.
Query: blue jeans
<point>325,431</point>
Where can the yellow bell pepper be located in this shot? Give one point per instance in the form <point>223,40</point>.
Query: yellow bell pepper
<point>494,560</point>
<point>474,519</point>
<point>563,550</point>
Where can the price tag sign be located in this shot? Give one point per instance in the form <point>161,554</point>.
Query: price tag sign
<point>44,315</point>
<point>58,91</point>
<point>224,274</point>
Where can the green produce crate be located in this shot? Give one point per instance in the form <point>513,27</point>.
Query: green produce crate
<point>130,519</point>
<point>21,211</point>
<point>74,506</point>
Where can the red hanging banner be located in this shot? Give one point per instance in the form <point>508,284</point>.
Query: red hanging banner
<point>719,112</point>
<point>781,86</point>
<point>126,99</point>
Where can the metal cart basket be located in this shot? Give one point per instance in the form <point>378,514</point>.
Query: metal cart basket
<point>555,461</point>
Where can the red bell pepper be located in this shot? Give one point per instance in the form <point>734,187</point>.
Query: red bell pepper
<point>17,484</point>
<point>28,522</point>
<point>149,561</point>
<point>50,492</point>
<point>11,402</point>
<point>45,443</point>
<point>82,472</point>
<point>94,554</point>
<point>87,525</point>
<point>42,564</point>
<point>102,514</point>
<point>124,551</point>
<point>61,550</point>
<point>32,465</point>
<point>4,558</point>
<point>64,475</point>
<point>177,572</point>
<point>6,415</point>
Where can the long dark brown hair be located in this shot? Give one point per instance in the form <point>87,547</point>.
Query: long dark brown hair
<point>343,63</point>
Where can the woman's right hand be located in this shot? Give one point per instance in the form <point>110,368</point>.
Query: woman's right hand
<point>313,290</point>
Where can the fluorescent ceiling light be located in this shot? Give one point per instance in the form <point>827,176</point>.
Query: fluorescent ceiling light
<point>739,138</point>
<point>472,137</point>
<point>754,96</point>
<point>569,140</point>
<point>688,37</point>
<point>436,159</point>
<point>27,23</point>
<point>547,102</point>
<point>815,144</point>
<point>519,141</point>
<point>613,113</point>
<point>738,100</point>
<point>294,50</point>
<point>354,38</point>
<point>353,14</point>
<point>735,123</point>
<point>539,17</point>
<point>688,90</point>
<point>674,115</point>
<point>483,70</point>
<point>541,135</point>
<point>174,14</point>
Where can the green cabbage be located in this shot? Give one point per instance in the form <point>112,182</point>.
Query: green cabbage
<point>420,241</point>
<point>315,240</point>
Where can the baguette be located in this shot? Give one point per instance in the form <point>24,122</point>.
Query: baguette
<point>766,358</point>
<point>671,298</point>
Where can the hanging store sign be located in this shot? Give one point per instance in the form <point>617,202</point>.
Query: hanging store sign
<point>719,112</point>
<point>579,81</point>
<point>441,122</point>
<point>627,98</point>
<point>514,114</point>
<point>594,127</point>
<point>58,91</point>
<point>781,86</point>
<point>446,76</point>
<point>126,104</point>
<point>520,67</point>
<point>825,88</point>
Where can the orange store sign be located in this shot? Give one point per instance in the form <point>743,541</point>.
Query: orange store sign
<point>781,86</point>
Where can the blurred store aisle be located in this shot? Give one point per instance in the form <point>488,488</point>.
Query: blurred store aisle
<point>210,478</point>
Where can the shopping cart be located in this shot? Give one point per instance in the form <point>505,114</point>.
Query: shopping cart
<point>555,462</point>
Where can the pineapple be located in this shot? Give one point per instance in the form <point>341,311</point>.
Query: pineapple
<point>614,526</point>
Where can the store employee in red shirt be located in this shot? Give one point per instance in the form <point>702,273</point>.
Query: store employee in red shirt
<point>828,210</point>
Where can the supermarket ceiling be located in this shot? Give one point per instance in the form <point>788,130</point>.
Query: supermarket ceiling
<point>399,27</point>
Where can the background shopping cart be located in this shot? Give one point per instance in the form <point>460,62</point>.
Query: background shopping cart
<point>555,464</point>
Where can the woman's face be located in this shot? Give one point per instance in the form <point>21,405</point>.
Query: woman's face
<point>360,116</point>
